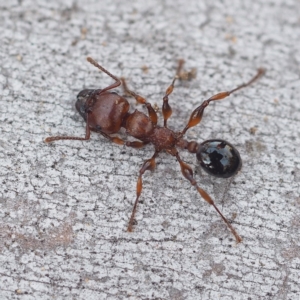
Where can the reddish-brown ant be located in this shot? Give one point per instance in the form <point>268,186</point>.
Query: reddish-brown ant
<point>106,112</point>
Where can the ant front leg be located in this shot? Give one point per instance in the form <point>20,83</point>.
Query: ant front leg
<point>112,86</point>
<point>152,113</point>
<point>149,164</point>
<point>74,138</point>
<point>197,114</point>
<point>187,172</point>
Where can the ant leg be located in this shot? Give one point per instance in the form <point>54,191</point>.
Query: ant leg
<point>166,108</point>
<point>87,135</point>
<point>119,141</point>
<point>152,113</point>
<point>112,86</point>
<point>116,140</point>
<point>197,114</point>
<point>187,172</point>
<point>149,164</point>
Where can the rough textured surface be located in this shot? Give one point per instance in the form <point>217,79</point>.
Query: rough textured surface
<point>64,207</point>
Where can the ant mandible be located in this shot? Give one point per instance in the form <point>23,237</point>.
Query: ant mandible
<point>106,112</point>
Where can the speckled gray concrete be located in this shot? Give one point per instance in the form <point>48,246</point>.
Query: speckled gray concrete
<point>64,207</point>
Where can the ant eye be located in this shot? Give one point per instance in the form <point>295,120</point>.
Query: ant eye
<point>219,158</point>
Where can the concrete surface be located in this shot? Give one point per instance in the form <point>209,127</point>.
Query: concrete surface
<point>64,207</point>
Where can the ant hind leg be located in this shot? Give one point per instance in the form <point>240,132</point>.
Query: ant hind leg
<point>149,164</point>
<point>187,172</point>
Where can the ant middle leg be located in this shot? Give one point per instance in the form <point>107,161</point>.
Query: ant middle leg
<point>152,113</point>
<point>119,141</point>
<point>197,114</point>
<point>187,172</point>
<point>149,164</point>
<point>181,75</point>
<point>166,108</point>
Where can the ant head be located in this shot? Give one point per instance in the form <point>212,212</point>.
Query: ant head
<point>81,103</point>
<point>219,158</point>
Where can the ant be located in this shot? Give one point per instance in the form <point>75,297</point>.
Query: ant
<point>106,112</point>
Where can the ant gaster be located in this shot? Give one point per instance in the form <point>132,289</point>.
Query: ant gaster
<point>106,112</point>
